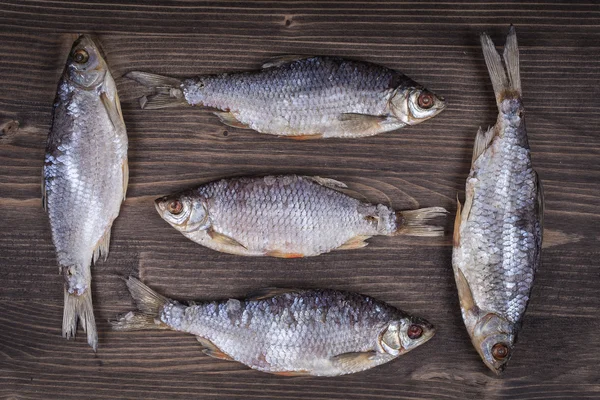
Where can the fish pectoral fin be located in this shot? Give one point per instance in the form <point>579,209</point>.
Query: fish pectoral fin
<point>223,239</point>
<point>308,136</point>
<point>211,350</point>
<point>269,292</point>
<point>356,361</point>
<point>361,124</point>
<point>113,109</point>
<point>482,142</point>
<point>465,295</point>
<point>229,119</point>
<point>457,221</point>
<point>282,254</point>
<point>292,373</point>
<point>328,182</point>
<point>356,242</point>
<point>282,60</point>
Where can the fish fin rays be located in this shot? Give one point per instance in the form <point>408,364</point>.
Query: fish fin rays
<point>328,182</point>
<point>269,292</point>
<point>168,90</point>
<point>457,223</point>
<point>102,247</point>
<point>211,350</point>
<point>465,295</point>
<point>291,373</point>
<point>153,81</point>
<point>482,141</point>
<point>416,222</point>
<point>361,124</point>
<point>506,81</point>
<point>308,136</point>
<point>356,242</point>
<point>160,100</point>
<point>358,361</point>
<point>224,239</point>
<point>511,60</point>
<point>79,308</point>
<point>229,119</point>
<point>113,109</point>
<point>125,171</point>
<point>283,254</point>
<point>283,60</point>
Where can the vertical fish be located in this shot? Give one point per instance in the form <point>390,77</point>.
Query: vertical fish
<point>498,231</point>
<point>303,97</point>
<point>286,332</point>
<point>286,216</point>
<point>84,178</point>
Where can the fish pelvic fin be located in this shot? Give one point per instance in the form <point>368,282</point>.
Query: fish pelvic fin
<point>79,307</point>
<point>416,222</point>
<point>168,92</point>
<point>506,81</point>
<point>149,304</point>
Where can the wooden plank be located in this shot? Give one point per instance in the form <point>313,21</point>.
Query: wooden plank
<point>426,165</point>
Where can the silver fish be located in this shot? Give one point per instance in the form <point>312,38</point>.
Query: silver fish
<point>286,216</point>
<point>84,177</point>
<point>498,232</point>
<point>303,97</point>
<point>286,331</point>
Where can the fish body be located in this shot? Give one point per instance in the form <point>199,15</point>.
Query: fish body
<point>498,232</point>
<point>84,176</point>
<point>287,331</point>
<point>304,98</point>
<point>285,216</point>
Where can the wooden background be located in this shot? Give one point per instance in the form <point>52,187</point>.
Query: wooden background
<point>436,43</point>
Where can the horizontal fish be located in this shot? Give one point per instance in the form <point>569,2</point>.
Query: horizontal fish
<point>84,177</point>
<point>286,331</point>
<point>286,216</point>
<point>302,97</point>
<point>498,231</point>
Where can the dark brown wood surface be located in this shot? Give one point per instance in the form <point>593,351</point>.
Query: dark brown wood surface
<point>436,43</point>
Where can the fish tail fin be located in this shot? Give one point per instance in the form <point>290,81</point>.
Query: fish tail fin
<point>505,80</point>
<point>149,304</point>
<point>416,222</point>
<point>167,90</point>
<point>79,307</point>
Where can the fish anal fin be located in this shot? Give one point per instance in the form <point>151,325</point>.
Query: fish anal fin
<point>102,246</point>
<point>223,239</point>
<point>229,119</point>
<point>113,109</point>
<point>482,141</point>
<point>308,136</point>
<point>292,373</point>
<point>328,182</point>
<point>211,350</point>
<point>457,221</point>
<point>356,242</point>
<point>283,254</point>
<point>282,60</point>
<point>125,171</point>
<point>269,292</point>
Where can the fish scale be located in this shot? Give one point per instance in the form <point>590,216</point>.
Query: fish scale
<point>287,331</point>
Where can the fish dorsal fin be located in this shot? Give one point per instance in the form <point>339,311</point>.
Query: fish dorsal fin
<point>282,60</point>
<point>328,182</point>
<point>223,239</point>
<point>495,67</point>
<point>269,292</point>
<point>457,222</point>
<point>511,60</point>
<point>482,141</point>
<point>465,295</point>
<point>211,350</point>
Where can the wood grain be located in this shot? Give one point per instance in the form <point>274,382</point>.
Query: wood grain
<point>435,43</point>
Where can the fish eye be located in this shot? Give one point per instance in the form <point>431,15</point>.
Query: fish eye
<point>500,351</point>
<point>425,100</point>
<point>175,207</point>
<point>81,56</point>
<point>414,332</point>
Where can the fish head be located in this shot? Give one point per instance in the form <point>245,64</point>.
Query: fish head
<point>401,336</point>
<point>184,211</point>
<point>415,104</point>
<point>85,66</point>
<point>493,338</point>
